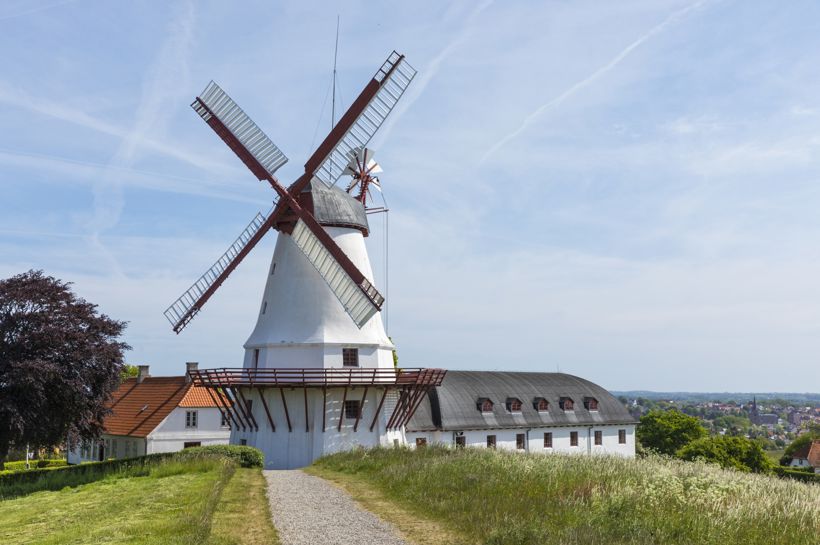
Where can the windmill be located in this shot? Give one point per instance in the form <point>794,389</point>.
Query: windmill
<point>344,146</point>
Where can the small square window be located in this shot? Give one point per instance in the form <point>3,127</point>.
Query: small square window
<point>599,437</point>
<point>352,409</point>
<point>514,405</point>
<point>491,441</point>
<point>461,441</point>
<point>191,419</point>
<point>191,444</point>
<point>622,437</point>
<point>485,405</point>
<point>548,439</point>
<point>573,438</point>
<point>421,442</point>
<point>350,357</point>
<point>590,404</point>
<point>243,442</point>
<point>566,404</point>
<point>542,405</point>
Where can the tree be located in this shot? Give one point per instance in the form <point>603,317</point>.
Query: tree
<point>667,431</point>
<point>730,452</point>
<point>129,371</point>
<point>60,361</point>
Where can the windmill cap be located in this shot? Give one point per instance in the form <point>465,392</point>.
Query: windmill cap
<point>334,207</point>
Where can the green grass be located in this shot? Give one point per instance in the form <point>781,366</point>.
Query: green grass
<point>173,501</point>
<point>510,498</point>
<point>242,516</point>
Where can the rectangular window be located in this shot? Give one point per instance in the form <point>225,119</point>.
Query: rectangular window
<point>264,307</point>
<point>421,442</point>
<point>491,441</point>
<point>520,441</point>
<point>115,448</point>
<point>256,358</point>
<point>352,409</point>
<point>189,444</point>
<point>243,442</point>
<point>622,437</point>
<point>573,438</point>
<point>461,441</point>
<point>350,357</point>
<point>190,419</point>
<point>599,437</point>
<point>548,440</point>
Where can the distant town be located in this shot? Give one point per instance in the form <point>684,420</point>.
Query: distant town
<point>773,419</point>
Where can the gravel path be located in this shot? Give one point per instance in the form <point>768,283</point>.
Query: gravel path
<point>308,510</point>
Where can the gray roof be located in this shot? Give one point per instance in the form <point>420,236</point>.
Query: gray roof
<point>335,207</point>
<point>455,404</point>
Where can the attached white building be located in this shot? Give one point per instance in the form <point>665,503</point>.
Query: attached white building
<point>533,412</point>
<point>156,414</point>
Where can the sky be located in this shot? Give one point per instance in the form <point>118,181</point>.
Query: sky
<point>626,191</point>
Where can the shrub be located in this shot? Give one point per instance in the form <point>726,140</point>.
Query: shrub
<point>806,475</point>
<point>243,455</point>
<point>729,452</point>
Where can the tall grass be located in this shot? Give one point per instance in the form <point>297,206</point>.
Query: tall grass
<point>512,498</point>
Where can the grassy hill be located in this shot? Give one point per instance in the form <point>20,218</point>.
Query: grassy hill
<point>511,498</point>
<point>204,499</point>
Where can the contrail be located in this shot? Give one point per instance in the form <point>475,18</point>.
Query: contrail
<point>430,71</point>
<point>35,9</point>
<point>591,78</point>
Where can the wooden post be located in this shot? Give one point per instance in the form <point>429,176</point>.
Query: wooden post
<point>267,410</point>
<point>342,412</point>
<point>307,422</point>
<point>379,408</point>
<point>361,410</point>
<point>285,404</point>
<point>324,407</point>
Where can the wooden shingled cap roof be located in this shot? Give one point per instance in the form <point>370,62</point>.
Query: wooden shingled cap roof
<point>137,408</point>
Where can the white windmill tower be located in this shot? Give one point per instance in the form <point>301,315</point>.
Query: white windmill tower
<point>318,372</point>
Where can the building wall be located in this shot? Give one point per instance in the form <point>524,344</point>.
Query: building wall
<point>114,446</point>
<point>534,439</point>
<point>171,434</point>
<point>306,442</point>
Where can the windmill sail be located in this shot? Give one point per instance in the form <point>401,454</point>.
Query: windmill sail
<point>364,117</point>
<point>241,134</point>
<point>189,303</point>
<point>360,300</point>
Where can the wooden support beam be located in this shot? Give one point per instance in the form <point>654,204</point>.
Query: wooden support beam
<point>267,410</point>
<point>413,406</point>
<point>285,404</point>
<point>324,407</point>
<point>397,409</point>
<point>241,408</point>
<point>307,414</point>
<point>361,410</point>
<point>248,410</point>
<point>234,403</point>
<point>379,408</point>
<point>342,411</point>
<point>226,415</point>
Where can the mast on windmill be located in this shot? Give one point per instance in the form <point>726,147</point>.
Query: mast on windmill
<point>344,145</point>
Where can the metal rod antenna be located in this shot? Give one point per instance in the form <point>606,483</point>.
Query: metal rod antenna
<point>333,101</point>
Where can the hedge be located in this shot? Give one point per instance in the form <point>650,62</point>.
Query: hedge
<point>243,455</point>
<point>17,483</point>
<point>797,474</point>
<point>35,464</point>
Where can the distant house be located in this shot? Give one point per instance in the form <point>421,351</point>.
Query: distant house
<point>808,456</point>
<point>156,414</point>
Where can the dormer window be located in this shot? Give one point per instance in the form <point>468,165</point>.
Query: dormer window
<point>590,404</point>
<point>541,405</point>
<point>513,405</point>
<point>566,404</point>
<point>485,405</point>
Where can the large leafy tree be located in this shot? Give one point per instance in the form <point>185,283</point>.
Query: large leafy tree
<point>60,360</point>
<point>668,431</point>
<point>731,452</point>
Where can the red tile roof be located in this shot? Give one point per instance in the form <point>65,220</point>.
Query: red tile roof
<point>814,454</point>
<point>198,396</point>
<point>138,408</point>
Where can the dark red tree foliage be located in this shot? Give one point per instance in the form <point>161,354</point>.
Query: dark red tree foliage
<point>60,361</point>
